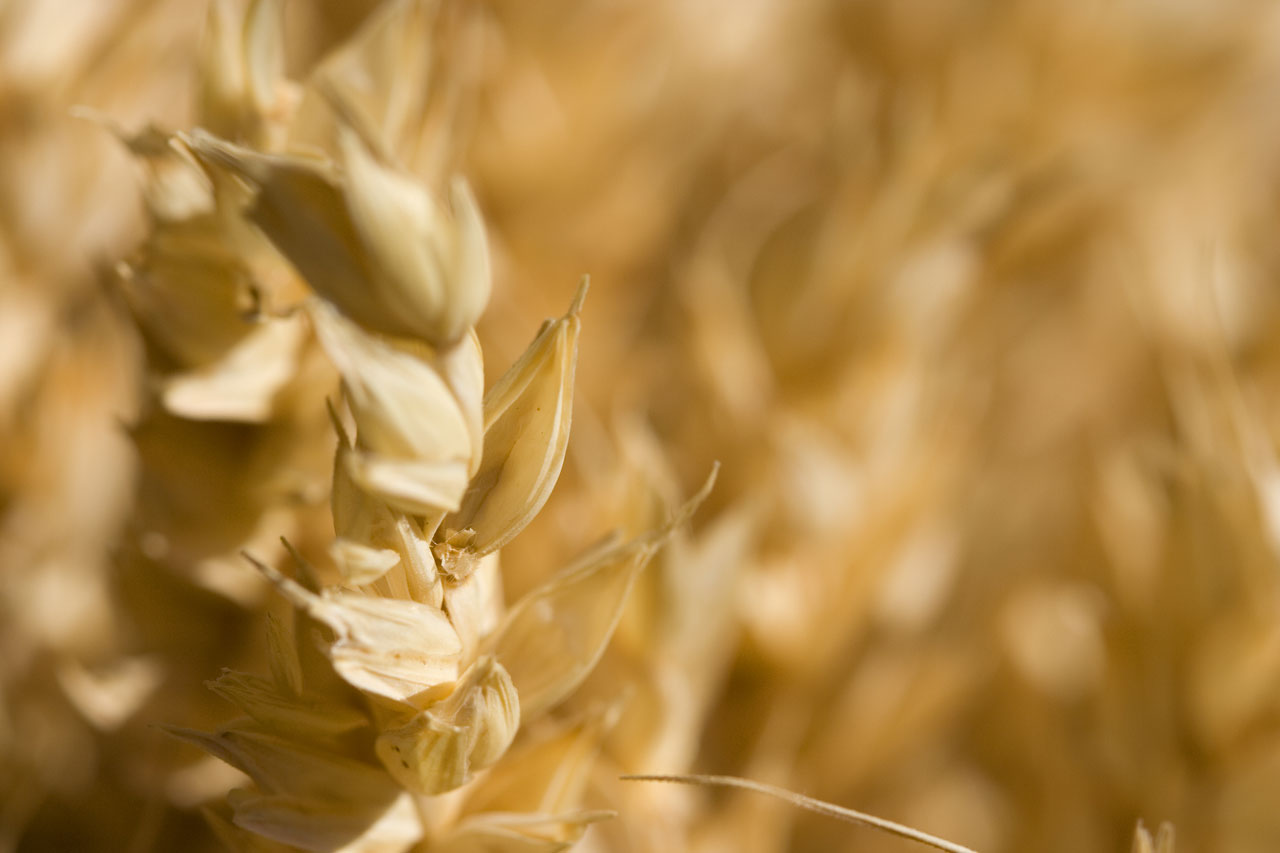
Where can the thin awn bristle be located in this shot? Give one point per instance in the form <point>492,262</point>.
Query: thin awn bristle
<point>809,803</point>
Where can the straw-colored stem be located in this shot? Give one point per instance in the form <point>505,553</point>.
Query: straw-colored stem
<point>824,808</point>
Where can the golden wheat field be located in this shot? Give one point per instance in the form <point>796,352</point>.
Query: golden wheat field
<point>424,422</point>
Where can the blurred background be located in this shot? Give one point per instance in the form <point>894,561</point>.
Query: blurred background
<point>975,301</point>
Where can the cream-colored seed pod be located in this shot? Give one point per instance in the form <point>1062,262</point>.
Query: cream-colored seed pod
<point>388,647</point>
<point>372,539</point>
<point>414,442</point>
<point>526,416</point>
<point>430,270</point>
<point>367,237</point>
<point>442,747</point>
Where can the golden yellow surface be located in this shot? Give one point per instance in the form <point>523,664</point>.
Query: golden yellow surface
<point>975,302</point>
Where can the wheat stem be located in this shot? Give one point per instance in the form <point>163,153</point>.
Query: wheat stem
<point>824,808</point>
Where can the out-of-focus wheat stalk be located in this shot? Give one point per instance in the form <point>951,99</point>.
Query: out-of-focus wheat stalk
<point>69,680</point>
<point>972,299</point>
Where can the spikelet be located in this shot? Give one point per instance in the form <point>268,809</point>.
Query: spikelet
<point>414,445</point>
<point>367,238</point>
<point>526,432</point>
<point>384,646</point>
<point>440,749</point>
